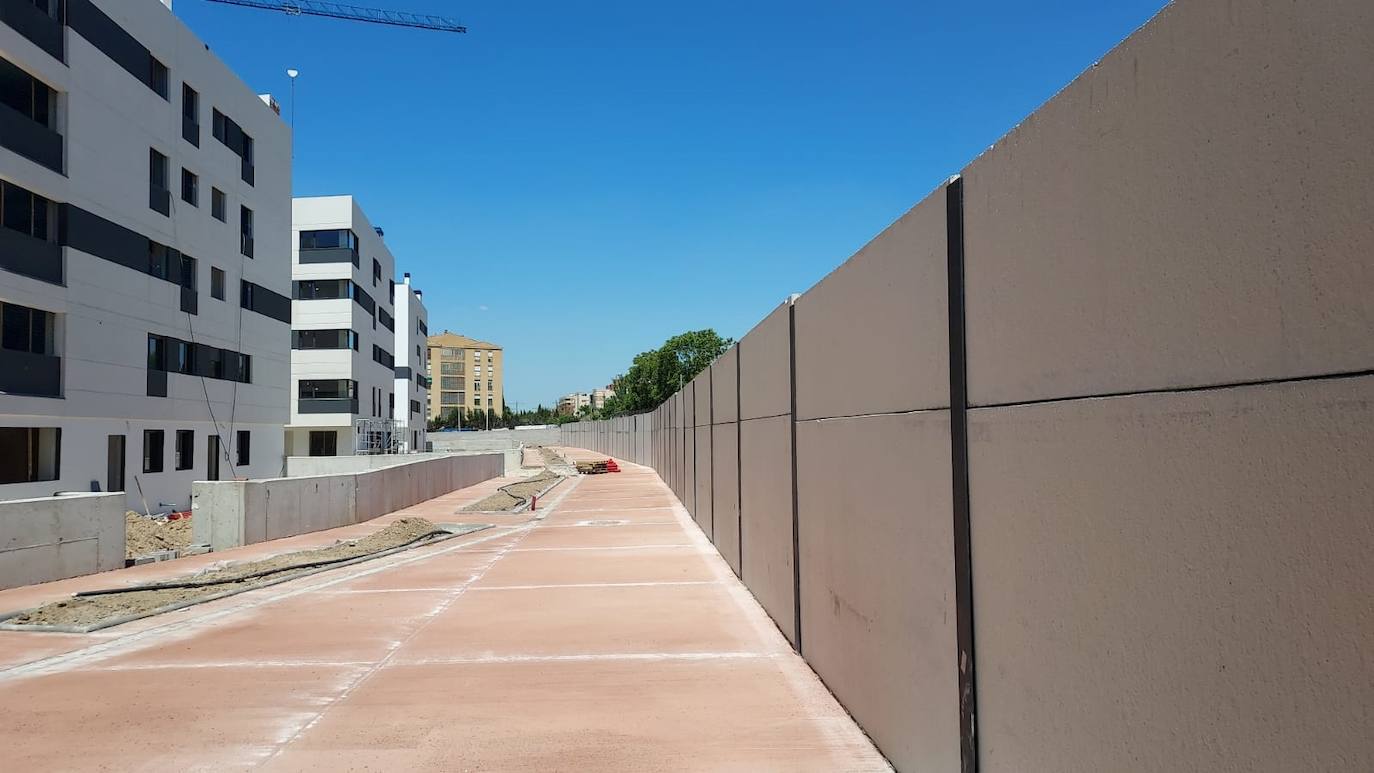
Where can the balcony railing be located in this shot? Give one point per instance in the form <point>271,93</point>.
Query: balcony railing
<point>25,373</point>
<point>328,255</point>
<point>41,29</point>
<point>30,256</point>
<point>327,405</point>
<point>30,139</point>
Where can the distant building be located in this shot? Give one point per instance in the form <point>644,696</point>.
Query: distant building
<point>465,373</point>
<point>600,396</point>
<point>569,405</point>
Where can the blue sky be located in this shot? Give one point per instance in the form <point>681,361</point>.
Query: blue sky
<point>579,181</point>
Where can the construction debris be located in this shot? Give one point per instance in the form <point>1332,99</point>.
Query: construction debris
<point>597,468</point>
<point>90,610</point>
<point>514,497</point>
<point>144,535</point>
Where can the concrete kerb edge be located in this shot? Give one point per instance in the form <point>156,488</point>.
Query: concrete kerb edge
<point>5,626</point>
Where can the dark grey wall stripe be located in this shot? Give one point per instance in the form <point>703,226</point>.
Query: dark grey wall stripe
<point>796,531</point>
<point>261,300</point>
<point>958,410</point>
<point>94,235</point>
<point>113,40</point>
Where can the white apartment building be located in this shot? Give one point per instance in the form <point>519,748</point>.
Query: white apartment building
<point>412,381</point>
<point>343,357</point>
<point>144,274</point>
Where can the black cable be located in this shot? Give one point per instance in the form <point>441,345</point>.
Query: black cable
<point>253,575</point>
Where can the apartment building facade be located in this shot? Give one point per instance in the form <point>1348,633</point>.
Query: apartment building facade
<point>466,374</point>
<point>144,272</point>
<point>412,379</point>
<point>343,336</point>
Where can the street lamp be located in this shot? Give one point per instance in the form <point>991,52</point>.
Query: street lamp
<point>292,73</point>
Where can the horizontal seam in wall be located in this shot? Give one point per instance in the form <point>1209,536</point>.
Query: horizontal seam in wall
<point>914,412</point>
<point>769,416</point>
<point>1181,390</point>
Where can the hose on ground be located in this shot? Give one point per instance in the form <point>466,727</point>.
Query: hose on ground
<point>253,575</point>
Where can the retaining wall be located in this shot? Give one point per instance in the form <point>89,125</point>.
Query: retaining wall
<point>493,440</point>
<point>53,538</point>
<point>233,513</point>
<point>1070,468</point>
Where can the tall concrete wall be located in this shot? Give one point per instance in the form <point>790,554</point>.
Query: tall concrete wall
<point>1070,468</point>
<point>233,513</point>
<point>53,538</point>
<point>493,440</point>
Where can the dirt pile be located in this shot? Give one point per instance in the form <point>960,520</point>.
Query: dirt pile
<point>511,496</point>
<point>90,610</point>
<point>143,535</point>
<point>551,457</point>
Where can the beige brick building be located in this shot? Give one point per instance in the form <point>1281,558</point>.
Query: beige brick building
<point>466,373</point>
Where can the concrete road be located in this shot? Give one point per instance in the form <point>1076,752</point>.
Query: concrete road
<point>604,635</point>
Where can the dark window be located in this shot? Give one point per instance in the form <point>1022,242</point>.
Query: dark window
<point>30,454</point>
<point>243,447</point>
<point>190,115</point>
<point>219,126</point>
<point>391,290</point>
<point>26,212</point>
<point>328,240</point>
<point>327,389</point>
<point>185,450</point>
<point>216,284</point>
<point>324,443</point>
<point>158,78</point>
<point>246,167</point>
<point>25,93</point>
<point>382,356</point>
<point>244,369</point>
<point>152,450</point>
<point>190,188</point>
<point>391,404</point>
<point>159,259</point>
<point>246,231</point>
<point>183,357</point>
<point>157,352</point>
<point>324,339</point>
<point>376,272</point>
<point>23,329</point>
<point>322,289</point>
<point>159,196</point>
<point>188,272</point>
<point>217,204</point>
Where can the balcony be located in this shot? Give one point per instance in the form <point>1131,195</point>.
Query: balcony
<point>30,139</point>
<point>30,256</point>
<point>41,29</point>
<point>328,255</point>
<point>327,405</point>
<point>25,373</point>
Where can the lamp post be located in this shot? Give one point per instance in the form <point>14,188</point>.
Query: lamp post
<point>292,73</point>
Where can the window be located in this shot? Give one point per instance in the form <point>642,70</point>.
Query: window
<point>488,385</point>
<point>159,260</point>
<point>183,357</point>
<point>324,443</point>
<point>391,404</point>
<point>243,447</point>
<point>216,284</point>
<point>185,450</point>
<point>376,271</point>
<point>333,239</point>
<point>324,339</point>
<point>30,454</point>
<point>219,126</point>
<point>190,115</point>
<point>159,196</point>
<point>451,398</point>
<point>158,78</point>
<point>391,289</point>
<point>152,450</point>
<point>246,231</point>
<point>476,399</point>
<point>28,95</point>
<point>327,389</point>
<point>190,188</point>
<point>217,205</point>
<point>187,274</point>
<point>157,352</point>
<point>386,319</point>
<point>414,406</point>
<point>382,357</point>
<point>451,368</point>
<point>23,329</point>
<point>321,289</point>
<point>246,167</point>
<point>26,212</point>
<point>450,382</point>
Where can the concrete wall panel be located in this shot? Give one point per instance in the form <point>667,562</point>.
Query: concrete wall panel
<point>724,391</point>
<point>702,493</point>
<point>877,578</point>
<point>873,335</point>
<point>765,387</point>
<point>1192,210</point>
<point>53,538</point>
<point>725,500</point>
<point>702,391</point>
<point>766,517</point>
<point>1176,581</point>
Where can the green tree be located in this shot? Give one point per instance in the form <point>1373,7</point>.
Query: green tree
<point>654,376</point>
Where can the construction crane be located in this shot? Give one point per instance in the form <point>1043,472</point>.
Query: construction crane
<point>352,13</point>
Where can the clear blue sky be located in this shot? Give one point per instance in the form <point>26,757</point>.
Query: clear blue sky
<point>579,181</point>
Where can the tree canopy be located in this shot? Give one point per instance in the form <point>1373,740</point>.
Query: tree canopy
<point>655,375</point>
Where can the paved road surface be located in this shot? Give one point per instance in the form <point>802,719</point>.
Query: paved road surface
<point>606,635</point>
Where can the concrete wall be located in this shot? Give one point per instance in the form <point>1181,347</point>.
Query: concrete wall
<point>1070,468</point>
<point>233,513</point>
<point>53,538</point>
<point>493,440</point>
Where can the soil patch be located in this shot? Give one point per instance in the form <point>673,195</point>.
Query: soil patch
<point>143,535</point>
<point>90,610</point>
<point>514,495</point>
<point>551,457</point>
